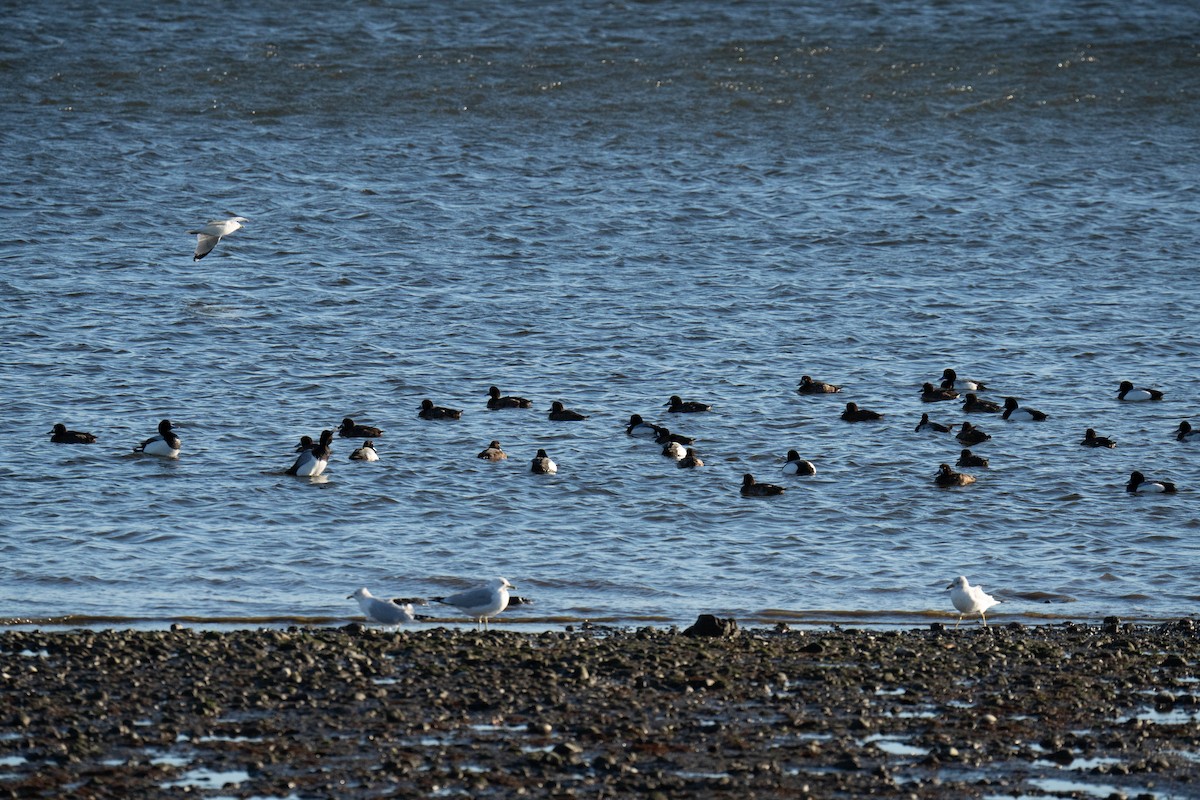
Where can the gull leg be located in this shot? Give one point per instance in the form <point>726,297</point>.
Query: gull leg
<point>960,616</point>
<point>983,619</point>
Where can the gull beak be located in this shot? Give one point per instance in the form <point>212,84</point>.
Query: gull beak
<point>951,586</point>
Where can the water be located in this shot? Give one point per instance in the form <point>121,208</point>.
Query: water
<point>604,204</point>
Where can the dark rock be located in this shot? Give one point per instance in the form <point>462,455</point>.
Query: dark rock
<point>1062,757</point>
<point>711,626</point>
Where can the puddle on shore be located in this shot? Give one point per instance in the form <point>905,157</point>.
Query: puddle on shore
<point>894,745</point>
<point>1174,716</point>
<point>203,778</point>
<point>1057,787</point>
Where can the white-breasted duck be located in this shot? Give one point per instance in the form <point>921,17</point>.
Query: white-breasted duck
<point>312,462</point>
<point>1138,484</point>
<point>1131,394</point>
<point>973,404</point>
<point>1090,439</point>
<point>968,459</point>
<point>795,465</point>
<point>950,380</point>
<point>674,450</point>
<point>855,414</point>
<point>60,435</point>
<point>677,405</point>
<point>751,488</point>
<point>166,444</point>
<point>365,453</point>
<point>1184,432</point>
<point>493,452</point>
<point>350,430</point>
<point>429,411</point>
<point>1016,413</point>
<point>560,413</point>
<point>639,427</point>
<point>496,400</point>
<point>542,464</point>
<point>948,477</point>
<point>936,394</point>
<point>809,386</point>
<point>927,425</point>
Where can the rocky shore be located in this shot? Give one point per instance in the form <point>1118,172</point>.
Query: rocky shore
<point>1062,711</point>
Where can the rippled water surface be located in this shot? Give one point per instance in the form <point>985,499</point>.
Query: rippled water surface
<point>604,204</point>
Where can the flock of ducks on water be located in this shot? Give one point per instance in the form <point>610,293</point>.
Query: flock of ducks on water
<point>487,600</point>
<point>313,456</point>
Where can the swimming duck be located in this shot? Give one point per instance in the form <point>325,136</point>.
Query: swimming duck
<point>60,435</point>
<point>165,444</point>
<point>1129,394</point>
<point>971,435</point>
<point>665,435</point>
<point>795,465</point>
<point>968,459</point>
<point>639,427</point>
<point>560,414</point>
<point>495,400</point>
<point>1014,413</point>
<point>676,405</point>
<point>365,453</point>
<point>927,425</point>
<point>690,459</point>
<point>855,414</point>
<point>493,452</point>
<point>430,411</point>
<point>1184,432</point>
<point>351,431</point>
<point>542,465</point>
<point>1090,439</point>
<point>752,489</point>
<point>950,380</point>
<point>934,394</point>
<point>948,477</point>
<point>974,405</point>
<point>809,386</point>
<point>674,450</point>
<point>311,463</point>
<point>1139,485</point>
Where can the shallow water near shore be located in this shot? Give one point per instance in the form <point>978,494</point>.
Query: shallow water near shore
<point>603,204</point>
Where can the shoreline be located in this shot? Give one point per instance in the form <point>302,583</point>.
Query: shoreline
<point>364,712</point>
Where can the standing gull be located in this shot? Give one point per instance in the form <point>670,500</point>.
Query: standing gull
<point>389,612</point>
<point>970,599</point>
<point>208,236</point>
<point>482,601</point>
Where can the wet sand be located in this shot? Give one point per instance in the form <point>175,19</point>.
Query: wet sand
<point>1071,710</point>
